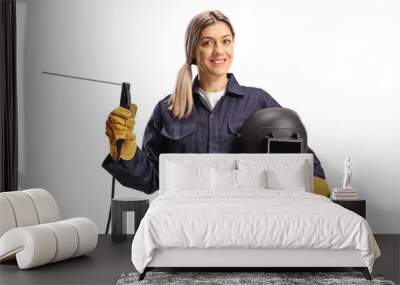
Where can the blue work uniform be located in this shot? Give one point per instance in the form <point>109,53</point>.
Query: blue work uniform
<point>203,131</point>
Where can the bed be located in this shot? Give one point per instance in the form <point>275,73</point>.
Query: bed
<point>247,210</point>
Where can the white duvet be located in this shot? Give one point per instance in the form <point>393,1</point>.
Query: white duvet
<point>250,219</point>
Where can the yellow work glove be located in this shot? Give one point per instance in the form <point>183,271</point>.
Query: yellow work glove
<point>120,125</point>
<point>321,186</point>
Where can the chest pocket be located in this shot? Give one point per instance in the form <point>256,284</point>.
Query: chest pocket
<point>234,128</point>
<point>179,138</point>
<point>231,137</point>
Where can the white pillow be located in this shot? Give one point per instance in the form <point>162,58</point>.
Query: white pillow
<point>251,178</point>
<point>281,174</point>
<point>230,180</point>
<point>223,179</point>
<point>291,178</point>
<point>183,177</point>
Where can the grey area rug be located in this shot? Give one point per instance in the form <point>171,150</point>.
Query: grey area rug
<point>269,278</point>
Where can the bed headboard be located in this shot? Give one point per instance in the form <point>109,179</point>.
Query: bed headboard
<point>215,158</point>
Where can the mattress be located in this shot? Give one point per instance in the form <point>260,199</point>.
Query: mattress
<point>250,219</point>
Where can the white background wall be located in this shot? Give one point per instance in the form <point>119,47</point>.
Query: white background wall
<point>337,63</point>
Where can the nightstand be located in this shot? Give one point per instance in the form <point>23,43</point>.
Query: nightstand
<point>119,207</point>
<point>357,206</point>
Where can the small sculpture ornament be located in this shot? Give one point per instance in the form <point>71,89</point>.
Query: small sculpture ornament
<point>348,173</point>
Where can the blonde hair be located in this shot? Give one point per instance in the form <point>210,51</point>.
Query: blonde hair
<point>181,101</point>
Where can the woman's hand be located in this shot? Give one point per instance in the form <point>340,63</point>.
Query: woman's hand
<point>119,125</point>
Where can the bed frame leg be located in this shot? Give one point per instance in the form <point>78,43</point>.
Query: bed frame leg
<point>143,274</point>
<point>364,271</point>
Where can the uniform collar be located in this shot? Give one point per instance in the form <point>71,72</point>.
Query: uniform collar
<point>233,86</point>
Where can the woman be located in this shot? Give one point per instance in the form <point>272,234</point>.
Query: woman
<point>203,117</point>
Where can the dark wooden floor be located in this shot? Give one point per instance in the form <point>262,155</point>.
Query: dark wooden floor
<point>110,260</point>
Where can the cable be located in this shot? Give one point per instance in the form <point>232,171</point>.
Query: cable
<point>119,147</point>
<point>125,102</point>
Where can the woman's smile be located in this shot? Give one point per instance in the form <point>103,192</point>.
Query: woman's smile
<point>218,62</point>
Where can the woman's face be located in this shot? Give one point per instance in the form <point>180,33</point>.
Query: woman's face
<point>214,53</point>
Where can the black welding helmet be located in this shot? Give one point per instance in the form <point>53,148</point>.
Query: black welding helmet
<point>273,130</point>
